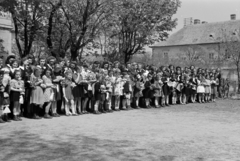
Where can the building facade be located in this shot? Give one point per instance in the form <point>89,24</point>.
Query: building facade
<point>199,44</point>
<point>6,29</point>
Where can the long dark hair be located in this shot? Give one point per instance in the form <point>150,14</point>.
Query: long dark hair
<point>8,58</point>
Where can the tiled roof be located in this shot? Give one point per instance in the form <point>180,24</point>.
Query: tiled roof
<point>200,34</point>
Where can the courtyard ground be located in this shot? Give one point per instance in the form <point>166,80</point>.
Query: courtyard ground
<point>194,132</point>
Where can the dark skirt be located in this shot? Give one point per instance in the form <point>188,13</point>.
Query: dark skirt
<point>83,90</point>
<point>147,93</point>
<point>166,89</point>
<point>1,98</point>
<point>14,96</point>
<point>137,93</point>
<point>193,91</point>
<point>186,90</point>
<point>89,94</point>
<point>76,91</point>
<point>100,96</point>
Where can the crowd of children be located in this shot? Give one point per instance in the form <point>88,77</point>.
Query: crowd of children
<point>49,88</point>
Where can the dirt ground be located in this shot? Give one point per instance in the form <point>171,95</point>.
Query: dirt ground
<point>194,132</point>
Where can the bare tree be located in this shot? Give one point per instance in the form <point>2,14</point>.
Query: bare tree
<point>231,44</point>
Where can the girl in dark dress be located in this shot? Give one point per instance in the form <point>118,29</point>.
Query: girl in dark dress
<point>99,93</point>
<point>194,83</point>
<point>147,92</point>
<point>166,90</point>
<point>127,91</point>
<point>26,72</point>
<point>58,105</point>
<point>76,90</point>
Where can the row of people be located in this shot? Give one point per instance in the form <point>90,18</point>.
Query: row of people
<point>50,88</point>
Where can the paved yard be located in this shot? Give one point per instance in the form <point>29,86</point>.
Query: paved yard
<point>194,132</point>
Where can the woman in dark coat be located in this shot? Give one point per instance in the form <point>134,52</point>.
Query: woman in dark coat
<point>148,92</point>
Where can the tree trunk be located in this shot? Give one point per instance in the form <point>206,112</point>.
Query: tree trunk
<point>74,54</point>
<point>50,26</point>
<point>238,74</point>
<point>126,58</point>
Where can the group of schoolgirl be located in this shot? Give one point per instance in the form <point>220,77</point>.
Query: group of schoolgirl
<point>49,87</point>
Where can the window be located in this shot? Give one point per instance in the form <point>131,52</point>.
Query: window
<point>227,55</point>
<point>165,55</point>
<point>184,58</point>
<point>211,56</point>
<point>196,57</point>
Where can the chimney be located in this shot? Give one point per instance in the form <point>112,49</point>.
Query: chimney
<point>196,21</point>
<point>204,22</point>
<point>233,16</point>
<point>188,21</point>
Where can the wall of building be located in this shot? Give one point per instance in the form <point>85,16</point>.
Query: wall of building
<point>206,57</point>
<point>6,32</point>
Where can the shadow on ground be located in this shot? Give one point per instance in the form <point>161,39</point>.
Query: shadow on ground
<point>21,146</point>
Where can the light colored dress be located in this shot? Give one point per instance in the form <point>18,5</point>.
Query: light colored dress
<point>37,96</point>
<point>200,87</point>
<point>48,91</point>
<point>208,86</point>
<point>118,87</point>
<point>68,84</point>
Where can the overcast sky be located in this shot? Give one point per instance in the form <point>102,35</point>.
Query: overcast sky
<point>207,10</point>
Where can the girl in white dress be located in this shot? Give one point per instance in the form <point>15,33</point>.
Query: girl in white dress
<point>117,89</point>
<point>200,89</point>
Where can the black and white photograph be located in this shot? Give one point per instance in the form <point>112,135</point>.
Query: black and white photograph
<point>119,80</point>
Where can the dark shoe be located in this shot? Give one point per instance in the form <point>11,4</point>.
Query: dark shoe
<point>148,107</point>
<point>46,116</point>
<point>14,118</point>
<point>57,115</point>
<point>103,111</point>
<point>18,118</point>
<point>6,118</point>
<point>36,117</point>
<point>1,121</point>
